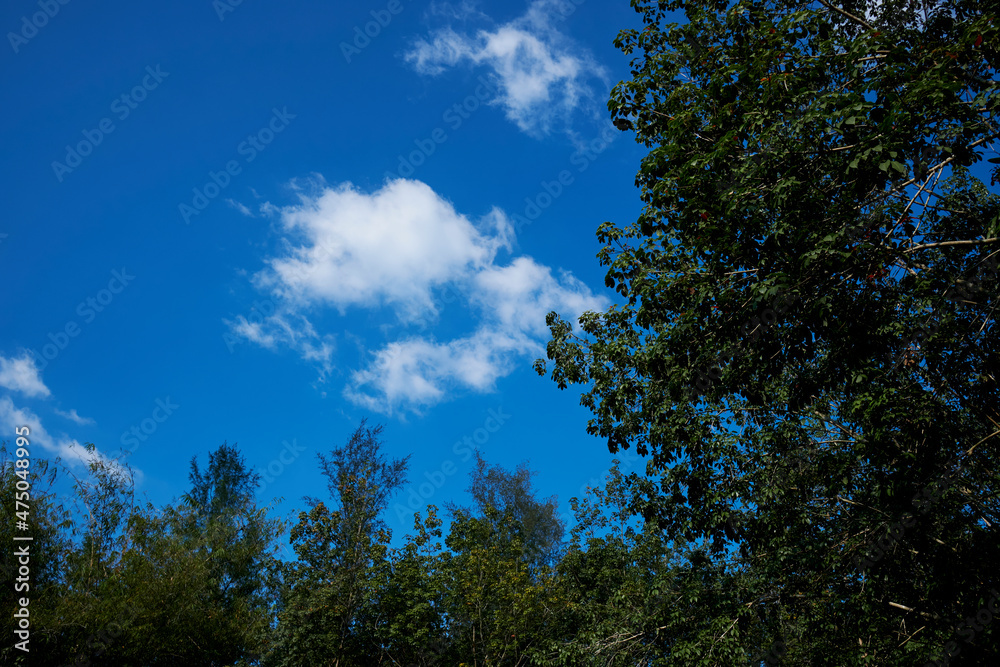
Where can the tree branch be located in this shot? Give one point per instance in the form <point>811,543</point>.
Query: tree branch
<point>944,243</point>
<point>848,15</point>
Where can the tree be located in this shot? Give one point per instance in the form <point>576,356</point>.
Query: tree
<point>413,601</point>
<point>496,610</point>
<point>219,520</point>
<point>807,349</point>
<point>136,585</point>
<point>327,614</point>
<point>220,514</point>
<point>627,597</point>
<point>29,497</point>
<point>542,529</point>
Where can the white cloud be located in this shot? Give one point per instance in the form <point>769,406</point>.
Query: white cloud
<point>73,416</point>
<point>542,77</point>
<point>252,331</point>
<point>289,329</point>
<point>519,295</point>
<point>417,373</point>
<point>64,447</point>
<point>390,248</point>
<point>396,248</point>
<point>242,208</point>
<point>22,375</point>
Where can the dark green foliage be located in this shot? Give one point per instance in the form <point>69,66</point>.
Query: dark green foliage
<point>819,154</point>
<point>48,527</point>
<point>129,585</point>
<point>494,487</point>
<point>329,594</point>
<point>120,584</point>
<point>221,507</point>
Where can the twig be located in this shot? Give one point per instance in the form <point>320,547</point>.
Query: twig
<point>848,15</point>
<point>944,243</point>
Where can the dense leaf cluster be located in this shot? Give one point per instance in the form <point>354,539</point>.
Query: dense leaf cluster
<point>832,153</point>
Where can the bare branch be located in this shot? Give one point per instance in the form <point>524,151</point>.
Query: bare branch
<point>848,15</point>
<point>944,243</point>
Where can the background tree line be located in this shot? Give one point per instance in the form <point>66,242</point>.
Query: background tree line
<point>120,583</point>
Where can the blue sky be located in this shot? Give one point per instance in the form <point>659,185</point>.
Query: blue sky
<point>262,223</point>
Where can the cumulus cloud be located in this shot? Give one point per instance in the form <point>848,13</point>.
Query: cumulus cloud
<point>416,373</point>
<point>21,374</point>
<point>389,248</point>
<point>517,297</point>
<point>543,78</point>
<point>511,303</point>
<point>397,248</point>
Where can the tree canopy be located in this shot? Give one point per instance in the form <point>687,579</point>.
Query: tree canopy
<point>807,345</point>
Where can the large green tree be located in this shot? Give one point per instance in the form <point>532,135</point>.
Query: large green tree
<point>627,597</point>
<point>328,612</point>
<point>496,610</point>
<point>413,599</point>
<point>219,516</point>
<point>807,345</point>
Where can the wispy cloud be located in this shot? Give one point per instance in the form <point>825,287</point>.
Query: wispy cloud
<point>543,78</point>
<point>64,447</point>
<point>242,208</point>
<point>394,249</point>
<point>21,374</point>
<point>290,329</point>
<point>73,416</point>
